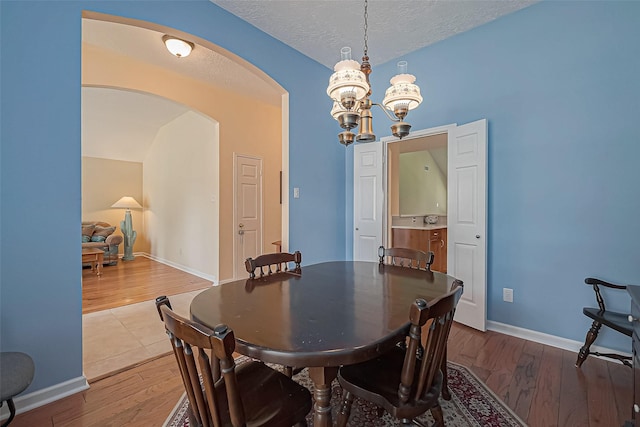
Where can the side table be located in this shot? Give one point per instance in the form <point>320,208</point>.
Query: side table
<point>95,257</point>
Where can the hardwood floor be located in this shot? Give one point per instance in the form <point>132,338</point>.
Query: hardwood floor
<point>134,281</point>
<point>540,383</point>
<point>141,396</point>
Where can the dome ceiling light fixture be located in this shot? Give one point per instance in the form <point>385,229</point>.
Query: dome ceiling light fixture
<point>176,46</point>
<point>349,88</point>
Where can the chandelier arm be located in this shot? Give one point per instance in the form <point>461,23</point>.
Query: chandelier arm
<point>393,119</point>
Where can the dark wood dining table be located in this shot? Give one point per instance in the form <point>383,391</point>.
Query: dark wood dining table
<point>331,314</point>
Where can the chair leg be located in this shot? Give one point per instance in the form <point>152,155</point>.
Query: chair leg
<point>345,410</point>
<point>12,412</point>
<point>591,337</point>
<point>288,371</point>
<point>438,417</point>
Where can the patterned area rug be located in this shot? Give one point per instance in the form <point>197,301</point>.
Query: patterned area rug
<point>472,404</point>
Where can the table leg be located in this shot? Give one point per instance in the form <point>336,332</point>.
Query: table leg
<point>99,264</point>
<point>322,378</point>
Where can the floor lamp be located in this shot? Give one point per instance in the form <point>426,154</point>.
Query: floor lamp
<point>126,226</point>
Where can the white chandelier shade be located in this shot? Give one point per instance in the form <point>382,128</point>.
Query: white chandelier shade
<point>402,91</point>
<point>347,80</point>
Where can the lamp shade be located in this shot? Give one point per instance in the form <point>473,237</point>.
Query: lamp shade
<point>403,93</point>
<point>347,81</point>
<point>127,202</point>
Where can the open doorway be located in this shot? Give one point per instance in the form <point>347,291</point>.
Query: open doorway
<point>417,196</point>
<point>176,232</point>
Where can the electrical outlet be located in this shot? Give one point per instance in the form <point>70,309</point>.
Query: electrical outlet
<point>507,294</point>
<point>296,192</point>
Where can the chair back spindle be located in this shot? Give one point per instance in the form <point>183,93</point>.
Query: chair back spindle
<point>405,257</point>
<point>273,263</point>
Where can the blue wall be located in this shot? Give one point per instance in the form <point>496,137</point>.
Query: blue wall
<point>40,311</point>
<point>558,84</point>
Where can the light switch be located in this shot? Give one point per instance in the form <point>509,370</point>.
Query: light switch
<point>296,192</point>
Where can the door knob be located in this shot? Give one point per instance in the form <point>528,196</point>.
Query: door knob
<point>477,236</point>
<point>241,231</point>
<point>357,229</point>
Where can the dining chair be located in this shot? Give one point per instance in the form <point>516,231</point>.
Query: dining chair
<point>601,316</point>
<point>399,381</point>
<point>274,263</point>
<point>405,257</point>
<point>222,393</point>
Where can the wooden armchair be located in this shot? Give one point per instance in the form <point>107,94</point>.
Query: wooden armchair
<point>274,263</point>
<point>601,316</point>
<point>410,258</point>
<point>223,394</point>
<point>399,381</point>
<point>405,257</point>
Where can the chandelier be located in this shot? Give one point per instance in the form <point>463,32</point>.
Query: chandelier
<point>349,88</point>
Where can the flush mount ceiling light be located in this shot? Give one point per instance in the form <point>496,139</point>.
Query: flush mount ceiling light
<point>349,88</point>
<point>176,46</point>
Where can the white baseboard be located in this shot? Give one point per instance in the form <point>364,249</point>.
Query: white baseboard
<point>550,340</point>
<point>212,279</point>
<point>27,402</point>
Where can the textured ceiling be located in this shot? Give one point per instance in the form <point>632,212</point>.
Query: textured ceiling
<point>320,28</point>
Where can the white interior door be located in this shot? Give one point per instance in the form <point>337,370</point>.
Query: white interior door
<point>247,221</point>
<point>467,220</point>
<point>368,198</point>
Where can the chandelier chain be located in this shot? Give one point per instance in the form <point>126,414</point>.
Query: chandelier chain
<point>366,26</point>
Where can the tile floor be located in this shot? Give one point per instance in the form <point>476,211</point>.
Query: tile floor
<point>121,337</point>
